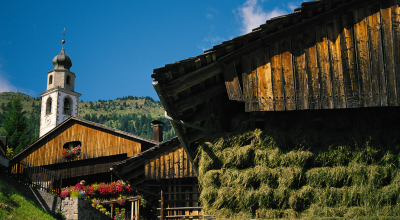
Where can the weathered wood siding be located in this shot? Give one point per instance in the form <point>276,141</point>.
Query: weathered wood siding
<point>171,164</point>
<point>180,199</point>
<point>95,143</point>
<point>349,61</point>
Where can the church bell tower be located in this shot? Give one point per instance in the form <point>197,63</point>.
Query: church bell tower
<point>59,101</point>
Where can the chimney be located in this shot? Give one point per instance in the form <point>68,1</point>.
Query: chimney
<point>157,130</point>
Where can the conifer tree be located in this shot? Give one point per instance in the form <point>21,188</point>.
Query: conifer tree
<point>15,126</point>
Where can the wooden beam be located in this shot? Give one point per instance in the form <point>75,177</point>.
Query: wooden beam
<point>162,205</point>
<point>195,136</point>
<point>183,216</point>
<point>131,166</point>
<point>333,31</point>
<point>135,183</point>
<point>181,208</point>
<point>349,62</point>
<point>325,76</point>
<point>363,57</point>
<point>379,93</point>
<point>177,128</point>
<point>180,193</point>
<point>199,97</point>
<point>191,79</point>
<point>181,200</point>
<point>264,75</point>
<point>301,75</point>
<point>135,174</point>
<point>184,123</point>
<point>388,52</point>
<point>232,82</point>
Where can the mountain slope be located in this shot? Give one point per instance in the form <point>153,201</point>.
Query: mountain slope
<point>131,114</point>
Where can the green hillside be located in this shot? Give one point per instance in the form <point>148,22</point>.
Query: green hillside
<point>15,205</point>
<point>131,114</point>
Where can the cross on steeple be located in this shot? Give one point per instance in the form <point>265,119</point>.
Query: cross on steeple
<point>63,41</point>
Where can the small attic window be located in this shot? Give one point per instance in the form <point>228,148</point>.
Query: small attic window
<point>50,79</point>
<point>71,145</point>
<point>68,80</point>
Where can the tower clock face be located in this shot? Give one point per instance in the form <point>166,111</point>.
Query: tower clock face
<point>47,120</point>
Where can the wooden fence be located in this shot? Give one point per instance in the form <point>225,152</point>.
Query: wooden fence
<point>37,177</point>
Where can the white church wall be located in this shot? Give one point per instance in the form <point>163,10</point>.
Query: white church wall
<point>48,121</point>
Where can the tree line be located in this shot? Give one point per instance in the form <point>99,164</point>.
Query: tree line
<point>20,127</point>
<point>132,123</point>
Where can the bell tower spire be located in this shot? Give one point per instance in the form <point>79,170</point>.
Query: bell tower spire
<point>59,101</point>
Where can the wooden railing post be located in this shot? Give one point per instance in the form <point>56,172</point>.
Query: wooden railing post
<point>162,205</point>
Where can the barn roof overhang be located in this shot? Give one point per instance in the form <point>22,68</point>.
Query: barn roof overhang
<point>133,167</point>
<point>186,87</point>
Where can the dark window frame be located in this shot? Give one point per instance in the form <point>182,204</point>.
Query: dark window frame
<point>67,107</point>
<point>68,80</point>
<point>72,144</point>
<point>49,103</point>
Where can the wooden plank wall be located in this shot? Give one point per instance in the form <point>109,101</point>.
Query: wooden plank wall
<point>349,61</point>
<point>94,143</point>
<point>181,199</point>
<point>171,164</point>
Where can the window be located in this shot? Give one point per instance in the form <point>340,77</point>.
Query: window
<point>50,79</point>
<point>68,80</point>
<point>67,106</point>
<point>48,106</point>
<point>71,145</point>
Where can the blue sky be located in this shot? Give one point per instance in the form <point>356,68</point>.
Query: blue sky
<point>115,45</point>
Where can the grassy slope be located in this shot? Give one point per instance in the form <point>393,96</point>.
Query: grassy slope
<point>6,97</point>
<point>14,205</point>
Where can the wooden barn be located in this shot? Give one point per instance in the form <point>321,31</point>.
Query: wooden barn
<point>165,176</point>
<point>331,54</point>
<point>101,147</point>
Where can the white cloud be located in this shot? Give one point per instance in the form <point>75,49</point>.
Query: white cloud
<point>210,16</point>
<point>292,6</point>
<point>253,15</point>
<point>5,85</point>
<point>212,39</point>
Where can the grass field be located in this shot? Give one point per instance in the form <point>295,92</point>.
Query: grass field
<point>14,205</point>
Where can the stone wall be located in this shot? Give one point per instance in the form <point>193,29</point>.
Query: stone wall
<point>76,209</point>
<point>49,202</point>
<point>4,161</point>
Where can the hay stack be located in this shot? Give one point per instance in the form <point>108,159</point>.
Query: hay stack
<point>249,175</point>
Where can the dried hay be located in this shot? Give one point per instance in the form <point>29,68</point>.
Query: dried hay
<point>250,175</point>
